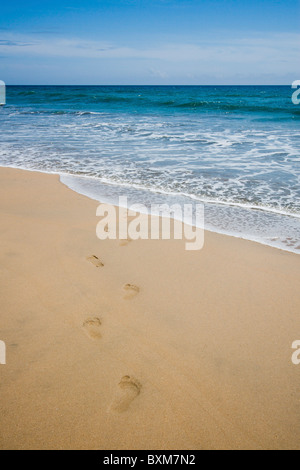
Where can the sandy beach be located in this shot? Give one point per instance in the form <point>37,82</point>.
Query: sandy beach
<point>195,355</point>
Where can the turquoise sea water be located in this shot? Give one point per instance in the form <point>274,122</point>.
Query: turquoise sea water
<point>234,148</point>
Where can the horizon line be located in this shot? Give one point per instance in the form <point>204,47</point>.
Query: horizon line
<point>149,85</point>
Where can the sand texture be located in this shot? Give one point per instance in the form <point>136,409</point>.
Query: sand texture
<point>139,344</point>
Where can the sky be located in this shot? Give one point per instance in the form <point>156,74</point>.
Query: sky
<point>149,42</point>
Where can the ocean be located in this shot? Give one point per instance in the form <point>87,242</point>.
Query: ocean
<point>235,149</point>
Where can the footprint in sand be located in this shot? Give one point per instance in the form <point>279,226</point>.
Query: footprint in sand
<point>95,261</point>
<point>130,291</point>
<point>92,327</point>
<point>129,389</point>
<point>124,242</point>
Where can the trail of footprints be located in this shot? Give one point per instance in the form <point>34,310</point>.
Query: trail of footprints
<point>129,387</point>
<point>95,261</point>
<point>128,390</point>
<point>122,242</point>
<point>92,328</point>
<point>130,291</point>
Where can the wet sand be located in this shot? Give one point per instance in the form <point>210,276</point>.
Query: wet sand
<point>140,345</point>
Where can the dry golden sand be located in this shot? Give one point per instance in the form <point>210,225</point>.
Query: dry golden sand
<point>198,358</point>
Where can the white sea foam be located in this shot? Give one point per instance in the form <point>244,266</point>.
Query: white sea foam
<point>265,227</point>
<point>247,175</point>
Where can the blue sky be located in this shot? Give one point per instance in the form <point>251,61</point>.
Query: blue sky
<point>150,42</point>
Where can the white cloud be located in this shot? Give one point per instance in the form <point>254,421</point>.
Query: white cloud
<point>275,53</point>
